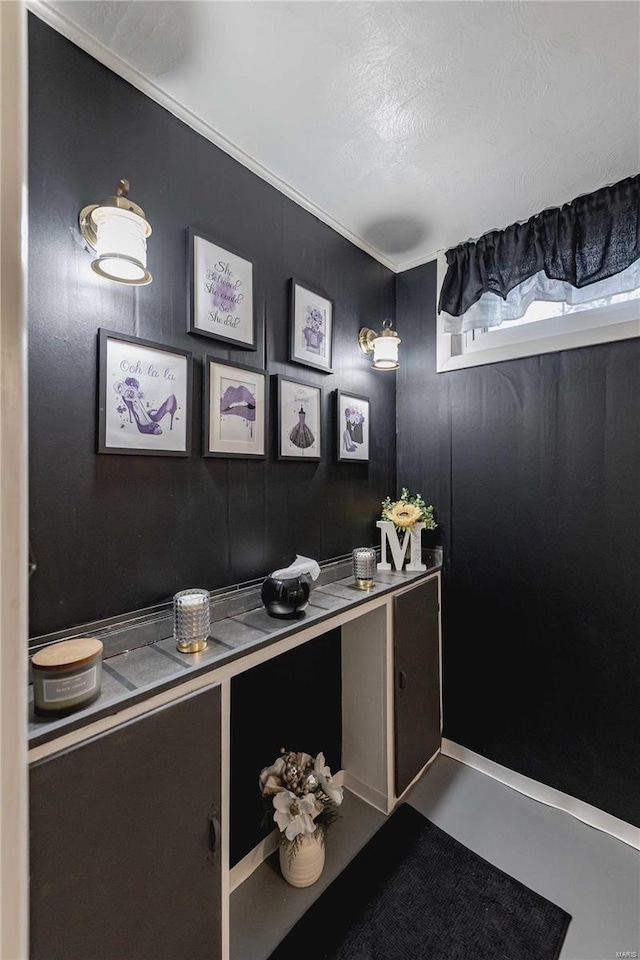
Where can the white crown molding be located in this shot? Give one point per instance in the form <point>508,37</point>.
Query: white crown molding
<point>418,261</point>
<point>543,794</point>
<point>50,15</point>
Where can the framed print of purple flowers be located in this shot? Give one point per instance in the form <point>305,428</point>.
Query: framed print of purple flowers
<point>313,337</point>
<point>311,334</point>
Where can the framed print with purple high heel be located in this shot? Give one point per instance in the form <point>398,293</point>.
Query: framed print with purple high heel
<point>235,410</point>
<point>353,418</point>
<point>311,333</point>
<point>144,397</point>
<point>299,420</point>
<point>220,293</point>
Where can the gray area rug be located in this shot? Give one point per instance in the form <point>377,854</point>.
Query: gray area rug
<point>415,893</point>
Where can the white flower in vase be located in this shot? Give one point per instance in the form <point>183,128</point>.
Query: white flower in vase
<point>323,773</point>
<point>271,778</point>
<point>294,815</point>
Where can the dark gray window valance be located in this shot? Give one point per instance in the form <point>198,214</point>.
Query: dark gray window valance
<point>590,239</point>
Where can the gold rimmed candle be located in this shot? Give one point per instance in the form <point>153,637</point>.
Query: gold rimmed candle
<point>364,565</point>
<point>191,620</point>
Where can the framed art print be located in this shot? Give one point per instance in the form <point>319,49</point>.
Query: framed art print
<point>144,397</point>
<point>299,420</point>
<point>235,410</point>
<point>354,414</point>
<point>220,293</point>
<point>311,328</point>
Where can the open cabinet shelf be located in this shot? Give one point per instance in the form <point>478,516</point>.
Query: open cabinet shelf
<point>264,908</point>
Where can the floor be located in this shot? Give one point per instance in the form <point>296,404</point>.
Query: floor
<point>591,875</point>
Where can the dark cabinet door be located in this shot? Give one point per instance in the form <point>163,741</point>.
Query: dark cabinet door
<point>122,866</point>
<point>416,649</point>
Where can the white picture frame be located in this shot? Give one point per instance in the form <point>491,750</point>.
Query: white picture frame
<point>311,328</point>
<point>353,413</point>
<point>299,420</point>
<point>235,410</point>
<point>144,397</point>
<point>220,293</point>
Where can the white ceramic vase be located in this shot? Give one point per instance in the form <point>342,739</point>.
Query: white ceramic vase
<point>307,863</point>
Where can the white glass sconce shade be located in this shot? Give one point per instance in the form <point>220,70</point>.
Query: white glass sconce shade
<point>117,230</point>
<point>383,346</point>
<point>385,353</point>
<point>121,246</point>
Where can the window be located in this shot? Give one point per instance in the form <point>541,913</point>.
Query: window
<point>568,277</point>
<point>545,327</point>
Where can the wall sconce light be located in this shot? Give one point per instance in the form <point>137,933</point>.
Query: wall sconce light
<point>383,346</point>
<point>117,230</point>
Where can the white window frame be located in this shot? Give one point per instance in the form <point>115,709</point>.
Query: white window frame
<point>619,321</point>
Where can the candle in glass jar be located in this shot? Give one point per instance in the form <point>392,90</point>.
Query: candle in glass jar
<point>191,620</point>
<point>364,564</point>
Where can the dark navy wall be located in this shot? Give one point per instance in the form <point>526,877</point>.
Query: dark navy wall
<point>533,468</point>
<point>114,533</point>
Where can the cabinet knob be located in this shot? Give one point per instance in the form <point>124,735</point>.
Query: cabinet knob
<point>402,679</point>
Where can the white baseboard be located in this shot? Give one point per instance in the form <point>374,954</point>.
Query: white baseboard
<point>543,794</point>
<point>368,794</point>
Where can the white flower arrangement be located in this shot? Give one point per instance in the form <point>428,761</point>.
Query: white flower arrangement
<point>299,788</point>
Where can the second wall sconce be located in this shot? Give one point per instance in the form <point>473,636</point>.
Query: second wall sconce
<point>117,230</point>
<point>383,346</point>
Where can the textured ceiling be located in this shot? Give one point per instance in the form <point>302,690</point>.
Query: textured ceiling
<point>410,126</point>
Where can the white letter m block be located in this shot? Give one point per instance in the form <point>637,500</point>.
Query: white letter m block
<point>399,551</point>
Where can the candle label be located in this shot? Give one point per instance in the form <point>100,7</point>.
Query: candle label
<point>67,688</point>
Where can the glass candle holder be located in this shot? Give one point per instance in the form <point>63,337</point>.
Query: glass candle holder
<point>364,565</point>
<point>191,620</point>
